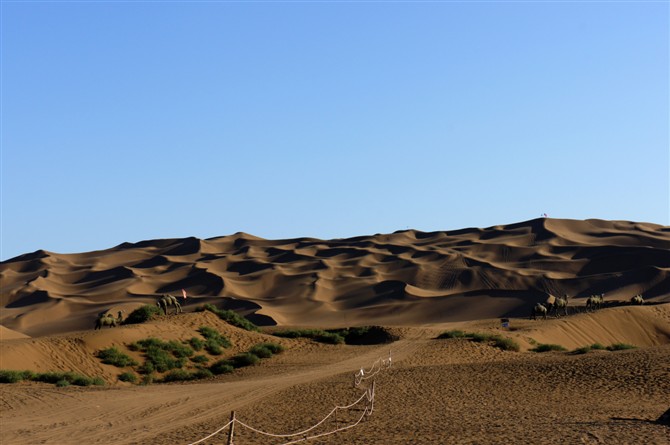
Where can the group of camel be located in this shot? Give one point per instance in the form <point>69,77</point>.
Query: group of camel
<point>558,305</point>
<point>107,319</point>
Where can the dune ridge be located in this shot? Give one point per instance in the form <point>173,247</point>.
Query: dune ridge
<point>407,277</point>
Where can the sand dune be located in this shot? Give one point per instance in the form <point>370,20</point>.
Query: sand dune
<point>416,284</point>
<point>407,277</point>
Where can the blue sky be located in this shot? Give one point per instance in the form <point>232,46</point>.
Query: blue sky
<point>126,121</point>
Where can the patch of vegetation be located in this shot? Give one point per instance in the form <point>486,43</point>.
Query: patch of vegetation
<point>597,346</point>
<point>55,378</point>
<point>365,335</point>
<point>214,341</point>
<point>452,334</point>
<point>143,314</point>
<point>180,375</point>
<point>112,356</point>
<point>620,347</point>
<point>230,317</point>
<point>544,347</point>
<point>10,376</point>
<point>222,367</point>
<point>196,343</point>
<point>200,359</point>
<point>130,377</point>
<point>317,335</point>
<point>582,350</point>
<point>244,359</point>
<point>498,341</point>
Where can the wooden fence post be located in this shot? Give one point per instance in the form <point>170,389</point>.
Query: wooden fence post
<point>232,428</point>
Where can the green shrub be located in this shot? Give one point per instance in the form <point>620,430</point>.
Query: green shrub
<point>547,347</point>
<point>143,314</point>
<point>504,343</point>
<point>480,338</point>
<point>244,359</point>
<point>162,360</point>
<point>330,338</point>
<point>196,343</point>
<point>230,317</point>
<point>113,356</point>
<point>213,347</point>
<point>273,347</point>
<point>63,382</point>
<point>147,368</point>
<point>620,347</point>
<point>597,346</point>
<point>582,350</point>
<point>261,351</point>
<point>365,335</point>
<point>179,350</point>
<point>199,359</point>
<point>452,334</point>
<point>128,377</point>
<point>7,376</point>
<point>98,381</point>
<point>147,379</point>
<point>315,334</point>
<point>222,367</point>
<point>203,374</point>
<point>58,378</point>
<point>178,375</point>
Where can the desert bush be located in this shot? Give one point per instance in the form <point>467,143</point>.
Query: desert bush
<point>143,314</point>
<point>147,379</point>
<point>130,377</point>
<point>221,367</point>
<point>620,347</point>
<point>597,346</point>
<point>177,375</point>
<point>317,335</point>
<point>230,317</point>
<point>261,351</point>
<point>199,359</point>
<point>62,383</point>
<point>582,350</point>
<point>365,335</point>
<point>504,343</point>
<point>452,334</point>
<point>273,347</point>
<point>162,359</point>
<point>113,356</point>
<point>9,376</point>
<point>543,347</point>
<point>179,350</point>
<point>479,337</point>
<point>196,343</point>
<point>71,378</point>
<point>244,359</point>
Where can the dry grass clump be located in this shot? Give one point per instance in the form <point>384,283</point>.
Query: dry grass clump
<point>230,317</point>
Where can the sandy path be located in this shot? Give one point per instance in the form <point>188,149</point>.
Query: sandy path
<point>38,414</point>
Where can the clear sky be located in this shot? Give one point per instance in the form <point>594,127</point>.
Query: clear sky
<point>127,121</point>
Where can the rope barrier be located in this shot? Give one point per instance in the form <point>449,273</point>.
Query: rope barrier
<point>368,394</point>
<point>213,434</point>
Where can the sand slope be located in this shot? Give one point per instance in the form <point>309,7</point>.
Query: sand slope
<point>407,277</point>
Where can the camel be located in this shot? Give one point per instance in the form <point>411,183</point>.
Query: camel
<point>637,299</point>
<point>105,320</point>
<point>169,300</point>
<point>539,309</point>
<point>595,301</point>
<point>561,303</point>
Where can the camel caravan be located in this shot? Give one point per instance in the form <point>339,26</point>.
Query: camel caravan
<point>164,303</point>
<point>169,300</point>
<point>106,319</point>
<point>558,306</point>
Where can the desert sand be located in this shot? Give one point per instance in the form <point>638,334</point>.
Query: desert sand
<point>415,284</point>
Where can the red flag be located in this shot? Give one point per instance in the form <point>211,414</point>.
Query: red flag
<point>184,292</point>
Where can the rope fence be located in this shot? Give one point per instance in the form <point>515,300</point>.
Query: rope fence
<point>367,399</point>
